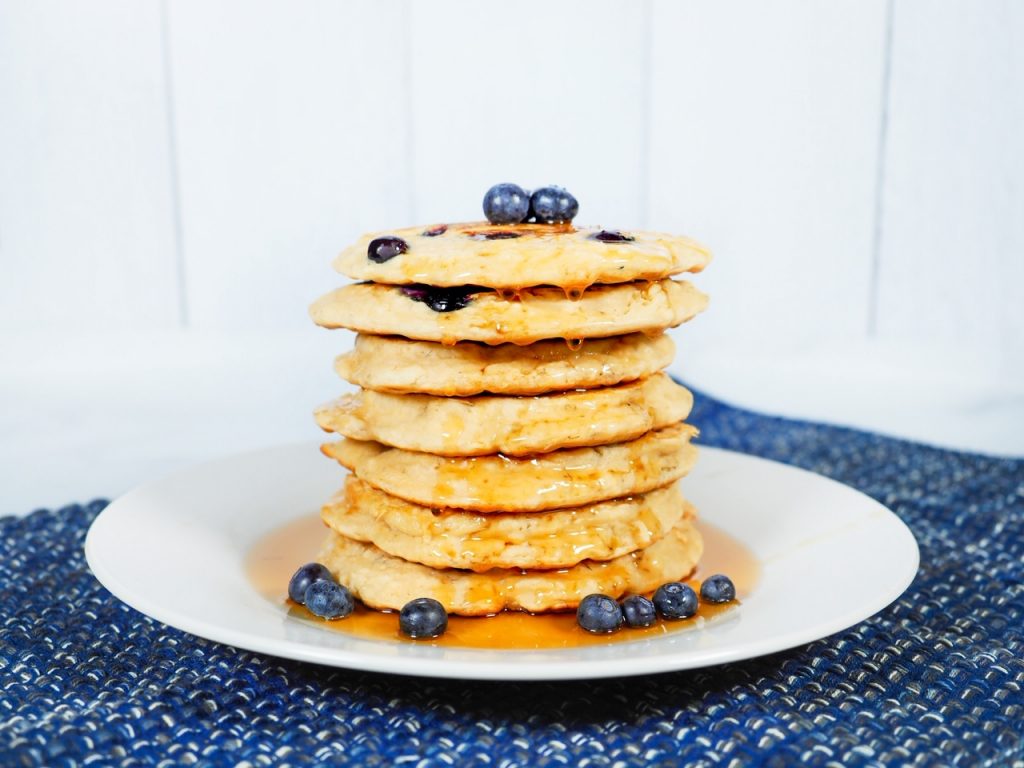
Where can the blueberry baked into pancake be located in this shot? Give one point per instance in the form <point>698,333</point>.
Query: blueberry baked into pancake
<point>514,443</point>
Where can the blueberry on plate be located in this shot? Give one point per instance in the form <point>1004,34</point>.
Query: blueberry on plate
<point>423,617</point>
<point>385,248</point>
<point>675,600</point>
<point>599,614</point>
<point>506,204</point>
<point>305,576</point>
<point>329,600</point>
<point>717,589</point>
<point>638,611</point>
<point>553,205</point>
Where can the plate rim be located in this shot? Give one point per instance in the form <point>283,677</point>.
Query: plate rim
<point>411,664</point>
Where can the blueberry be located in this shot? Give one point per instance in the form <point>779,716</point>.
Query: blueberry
<point>638,611</point>
<point>385,248</point>
<point>440,229</point>
<point>599,614</point>
<point>506,204</point>
<point>612,236</point>
<point>305,576</point>
<point>675,600</point>
<point>423,617</point>
<point>442,299</point>
<point>553,205</point>
<point>329,600</point>
<point>717,589</point>
<point>417,291</point>
<point>449,300</point>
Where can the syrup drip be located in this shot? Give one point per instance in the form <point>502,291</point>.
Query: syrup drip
<point>574,344</point>
<point>493,235</point>
<point>574,292</point>
<point>273,559</point>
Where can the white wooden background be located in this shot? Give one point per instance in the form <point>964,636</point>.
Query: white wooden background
<point>176,175</point>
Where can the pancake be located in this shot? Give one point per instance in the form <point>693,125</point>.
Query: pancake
<point>521,255</point>
<point>497,483</point>
<point>386,582</point>
<point>479,542</point>
<point>485,316</point>
<point>395,364</point>
<point>514,426</point>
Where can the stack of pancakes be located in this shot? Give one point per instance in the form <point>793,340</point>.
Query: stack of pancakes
<point>515,443</point>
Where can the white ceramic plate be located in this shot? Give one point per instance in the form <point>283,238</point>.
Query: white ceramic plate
<point>174,549</point>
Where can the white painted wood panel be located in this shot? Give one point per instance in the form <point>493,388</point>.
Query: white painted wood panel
<point>538,93</point>
<point>952,259</point>
<point>297,127</point>
<point>764,145</point>
<point>87,235</point>
<point>292,126</point>
<point>116,409</point>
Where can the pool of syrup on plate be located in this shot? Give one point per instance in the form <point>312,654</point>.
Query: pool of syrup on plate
<point>272,560</point>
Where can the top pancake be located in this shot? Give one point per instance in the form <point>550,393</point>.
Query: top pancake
<point>515,256</point>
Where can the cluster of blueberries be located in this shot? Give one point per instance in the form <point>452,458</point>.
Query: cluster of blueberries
<point>675,600</point>
<point>314,587</point>
<point>511,204</point>
<point>503,204</point>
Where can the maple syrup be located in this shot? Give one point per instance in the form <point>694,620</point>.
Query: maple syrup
<point>574,292</point>
<point>273,559</point>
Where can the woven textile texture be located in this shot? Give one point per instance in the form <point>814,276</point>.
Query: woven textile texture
<point>935,679</point>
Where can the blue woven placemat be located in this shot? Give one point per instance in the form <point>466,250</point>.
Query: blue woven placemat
<point>936,679</point>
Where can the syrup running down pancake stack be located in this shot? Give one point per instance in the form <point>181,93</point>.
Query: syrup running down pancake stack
<point>515,443</point>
